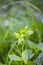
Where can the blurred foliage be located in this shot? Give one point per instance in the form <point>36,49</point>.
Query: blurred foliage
<point>21,32</point>
<point>38,3</point>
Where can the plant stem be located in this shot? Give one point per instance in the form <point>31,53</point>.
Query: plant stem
<point>22,51</point>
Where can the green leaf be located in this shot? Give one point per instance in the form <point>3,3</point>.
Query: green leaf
<point>14,57</point>
<point>27,55</point>
<point>33,46</point>
<point>39,59</point>
<point>31,63</point>
<point>40,46</point>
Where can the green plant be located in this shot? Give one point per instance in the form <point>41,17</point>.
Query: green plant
<point>21,35</point>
